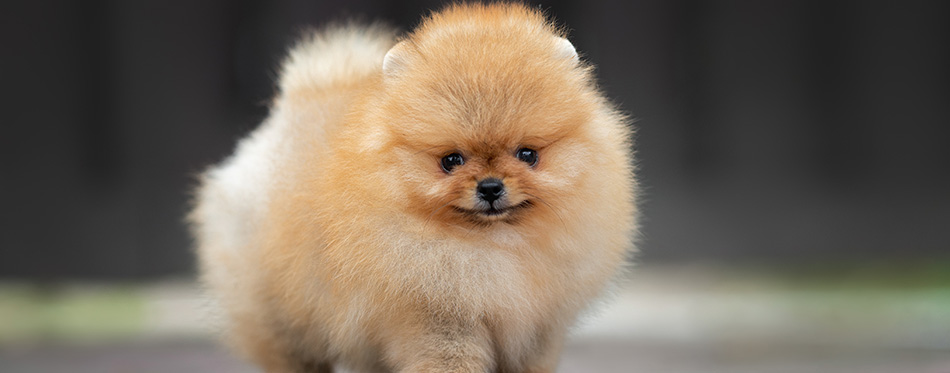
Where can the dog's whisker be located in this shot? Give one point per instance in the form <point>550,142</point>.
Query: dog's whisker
<point>554,210</point>
<point>425,224</point>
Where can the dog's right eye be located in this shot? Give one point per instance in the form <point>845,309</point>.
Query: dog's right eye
<point>451,161</point>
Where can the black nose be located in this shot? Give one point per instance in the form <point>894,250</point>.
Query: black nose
<point>490,189</point>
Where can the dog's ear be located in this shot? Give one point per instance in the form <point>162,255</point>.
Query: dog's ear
<point>565,49</point>
<point>395,60</point>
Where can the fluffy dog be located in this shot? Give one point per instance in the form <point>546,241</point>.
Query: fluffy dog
<point>446,203</point>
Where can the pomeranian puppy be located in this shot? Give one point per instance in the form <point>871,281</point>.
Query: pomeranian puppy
<point>446,203</point>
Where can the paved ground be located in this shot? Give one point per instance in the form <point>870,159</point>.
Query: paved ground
<point>164,356</point>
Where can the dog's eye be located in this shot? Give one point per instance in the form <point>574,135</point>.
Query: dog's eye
<point>528,156</point>
<point>451,161</point>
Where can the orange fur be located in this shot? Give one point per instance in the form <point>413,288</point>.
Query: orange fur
<point>333,236</point>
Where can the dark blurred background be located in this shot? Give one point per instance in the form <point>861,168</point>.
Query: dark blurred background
<point>778,132</point>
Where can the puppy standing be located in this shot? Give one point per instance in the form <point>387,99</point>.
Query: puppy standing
<point>448,203</point>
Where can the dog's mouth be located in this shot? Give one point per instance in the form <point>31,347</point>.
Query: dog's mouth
<point>492,212</point>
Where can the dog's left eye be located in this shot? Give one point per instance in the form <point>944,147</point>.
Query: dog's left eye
<point>528,156</point>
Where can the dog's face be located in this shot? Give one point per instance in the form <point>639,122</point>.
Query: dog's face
<point>480,151</point>
<point>481,136</point>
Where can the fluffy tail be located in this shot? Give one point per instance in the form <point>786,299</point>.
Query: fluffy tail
<point>335,57</point>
